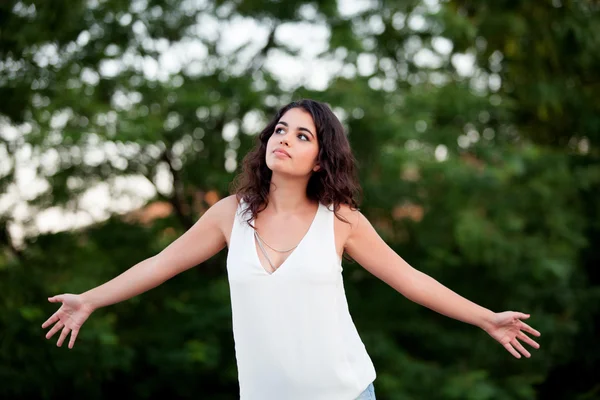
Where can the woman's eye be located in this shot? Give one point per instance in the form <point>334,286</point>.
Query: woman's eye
<point>301,136</point>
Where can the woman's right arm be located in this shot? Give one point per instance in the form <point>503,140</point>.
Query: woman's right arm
<point>203,240</point>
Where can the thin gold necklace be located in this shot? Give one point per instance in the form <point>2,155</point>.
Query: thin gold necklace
<point>279,251</point>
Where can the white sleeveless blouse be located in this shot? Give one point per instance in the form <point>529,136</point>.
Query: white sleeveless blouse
<point>294,336</point>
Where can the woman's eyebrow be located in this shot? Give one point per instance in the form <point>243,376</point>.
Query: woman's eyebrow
<point>300,128</point>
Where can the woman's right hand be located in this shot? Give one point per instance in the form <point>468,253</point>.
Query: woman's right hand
<point>73,312</point>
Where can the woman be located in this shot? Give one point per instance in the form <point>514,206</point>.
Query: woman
<point>292,217</point>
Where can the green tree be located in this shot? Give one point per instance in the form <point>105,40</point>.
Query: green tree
<point>476,130</point>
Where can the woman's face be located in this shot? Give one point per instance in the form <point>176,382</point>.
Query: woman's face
<point>293,147</point>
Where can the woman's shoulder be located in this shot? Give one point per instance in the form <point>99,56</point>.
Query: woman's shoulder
<point>346,213</point>
<point>223,213</point>
<point>227,205</point>
<point>224,209</point>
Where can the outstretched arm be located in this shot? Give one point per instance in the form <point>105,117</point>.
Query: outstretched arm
<point>366,246</point>
<point>203,240</point>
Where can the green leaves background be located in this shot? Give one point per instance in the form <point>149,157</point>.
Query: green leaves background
<point>484,175</point>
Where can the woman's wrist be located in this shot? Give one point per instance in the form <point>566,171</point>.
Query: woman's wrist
<point>88,302</point>
<point>486,320</point>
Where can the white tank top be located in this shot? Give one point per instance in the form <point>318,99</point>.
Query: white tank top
<point>294,336</point>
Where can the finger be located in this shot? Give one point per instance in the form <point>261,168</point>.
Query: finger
<point>511,350</point>
<point>521,315</point>
<point>55,299</point>
<point>517,345</point>
<point>74,333</point>
<point>54,329</point>
<point>50,320</point>
<point>63,336</point>
<point>529,329</point>
<point>528,340</point>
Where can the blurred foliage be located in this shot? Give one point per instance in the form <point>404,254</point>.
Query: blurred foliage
<point>483,174</point>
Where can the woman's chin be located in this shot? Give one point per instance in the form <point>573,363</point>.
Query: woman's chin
<point>288,173</point>
<point>279,166</point>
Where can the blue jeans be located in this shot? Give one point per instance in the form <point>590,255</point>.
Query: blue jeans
<point>368,394</point>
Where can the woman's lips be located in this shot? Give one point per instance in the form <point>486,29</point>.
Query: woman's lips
<point>282,152</point>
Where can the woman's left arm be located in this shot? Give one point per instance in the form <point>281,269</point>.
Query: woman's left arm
<point>366,247</point>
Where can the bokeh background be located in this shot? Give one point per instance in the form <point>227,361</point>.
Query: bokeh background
<point>476,125</point>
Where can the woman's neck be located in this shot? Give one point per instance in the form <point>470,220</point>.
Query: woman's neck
<point>288,196</point>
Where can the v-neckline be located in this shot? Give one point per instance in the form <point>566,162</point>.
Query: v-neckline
<point>255,250</point>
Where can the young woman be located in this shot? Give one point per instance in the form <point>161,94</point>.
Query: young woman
<point>293,215</point>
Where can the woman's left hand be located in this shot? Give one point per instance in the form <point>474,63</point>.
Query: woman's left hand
<point>508,329</point>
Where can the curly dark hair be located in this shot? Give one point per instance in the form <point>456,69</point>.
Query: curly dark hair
<point>335,183</point>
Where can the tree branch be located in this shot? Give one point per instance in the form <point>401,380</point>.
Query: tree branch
<point>177,200</point>
<point>6,240</point>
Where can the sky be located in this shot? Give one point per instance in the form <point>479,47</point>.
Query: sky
<point>125,194</point>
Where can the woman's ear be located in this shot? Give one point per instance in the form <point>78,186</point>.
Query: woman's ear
<point>316,168</point>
